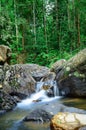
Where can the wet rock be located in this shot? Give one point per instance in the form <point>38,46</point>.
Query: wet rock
<point>54,107</point>
<point>72,76</point>
<point>38,116</point>
<point>73,86</point>
<point>49,84</point>
<point>45,112</point>
<point>6,101</point>
<point>68,121</point>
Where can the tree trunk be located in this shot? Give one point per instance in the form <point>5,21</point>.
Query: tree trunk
<point>56,9</point>
<point>68,13</point>
<point>45,25</point>
<point>78,24</point>
<point>16,25</point>
<point>23,39</point>
<point>78,28</point>
<point>34,22</point>
<point>74,25</point>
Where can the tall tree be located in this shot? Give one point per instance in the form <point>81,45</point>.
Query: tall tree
<point>34,20</point>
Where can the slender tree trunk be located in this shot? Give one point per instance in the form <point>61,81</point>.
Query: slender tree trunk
<point>57,27</point>
<point>23,37</point>
<point>74,24</point>
<point>78,28</point>
<point>16,25</point>
<point>45,26</point>
<point>34,21</point>
<point>68,13</point>
<point>78,24</point>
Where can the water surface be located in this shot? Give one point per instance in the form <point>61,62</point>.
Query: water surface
<point>13,120</point>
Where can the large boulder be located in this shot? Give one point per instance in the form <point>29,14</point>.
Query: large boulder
<point>36,71</point>
<point>18,81</point>
<point>72,76</point>
<point>5,54</point>
<point>39,116</point>
<point>21,79</point>
<point>68,121</point>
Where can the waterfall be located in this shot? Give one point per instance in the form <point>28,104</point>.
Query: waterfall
<point>39,86</point>
<point>56,90</point>
<point>41,96</point>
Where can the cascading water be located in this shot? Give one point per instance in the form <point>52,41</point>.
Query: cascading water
<point>39,86</point>
<point>40,97</point>
<point>13,121</point>
<point>56,90</point>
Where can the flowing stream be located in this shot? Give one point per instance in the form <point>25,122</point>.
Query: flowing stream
<point>13,120</point>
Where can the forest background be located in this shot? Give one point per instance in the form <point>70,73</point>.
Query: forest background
<point>42,31</point>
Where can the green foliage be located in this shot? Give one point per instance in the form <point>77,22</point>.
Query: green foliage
<point>45,31</point>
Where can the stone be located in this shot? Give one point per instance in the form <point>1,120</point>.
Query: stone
<point>68,121</point>
<point>6,102</point>
<point>36,71</point>
<point>39,116</point>
<point>5,54</point>
<point>71,78</point>
<point>57,65</point>
<point>55,107</point>
<point>18,81</point>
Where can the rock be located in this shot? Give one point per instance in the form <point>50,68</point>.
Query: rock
<point>18,81</point>
<point>39,116</point>
<point>5,54</point>
<point>73,86</point>
<point>36,71</point>
<point>45,112</point>
<point>6,101</point>
<point>49,84</point>
<point>21,78</point>
<point>57,66</point>
<point>68,121</point>
<point>1,76</point>
<point>72,76</point>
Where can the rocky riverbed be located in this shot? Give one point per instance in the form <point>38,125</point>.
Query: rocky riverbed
<point>21,81</point>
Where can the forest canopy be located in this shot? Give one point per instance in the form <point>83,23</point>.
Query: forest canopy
<point>42,31</point>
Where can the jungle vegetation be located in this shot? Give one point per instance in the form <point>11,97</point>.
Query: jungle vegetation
<point>42,31</point>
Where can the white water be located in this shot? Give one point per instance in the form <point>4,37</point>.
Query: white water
<point>40,96</point>
<point>39,86</point>
<point>56,90</point>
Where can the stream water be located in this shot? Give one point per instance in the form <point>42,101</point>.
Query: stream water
<point>13,120</point>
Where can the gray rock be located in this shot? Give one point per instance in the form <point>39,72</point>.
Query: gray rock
<point>6,101</point>
<point>72,76</point>
<point>38,116</point>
